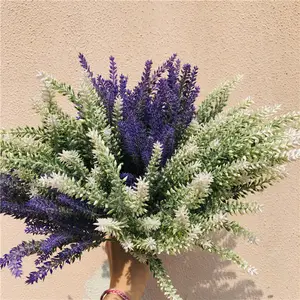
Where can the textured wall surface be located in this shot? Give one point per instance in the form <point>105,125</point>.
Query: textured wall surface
<point>259,39</point>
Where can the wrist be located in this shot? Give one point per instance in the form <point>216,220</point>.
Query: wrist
<point>134,291</point>
<point>114,294</point>
<point>126,289</point>
<point>112,297</point>
<point>133,285</point>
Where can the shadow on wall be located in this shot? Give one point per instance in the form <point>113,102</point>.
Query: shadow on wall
<point>199,275</point>
<point>97,283</point>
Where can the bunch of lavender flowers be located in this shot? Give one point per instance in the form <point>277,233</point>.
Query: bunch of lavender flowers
<point>66,225</point>
<point>157,110</point>
<point>142,165</point>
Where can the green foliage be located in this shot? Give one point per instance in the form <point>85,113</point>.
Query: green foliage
<point>216,101</point>
<point>163,279</point>
<point>222,157</point>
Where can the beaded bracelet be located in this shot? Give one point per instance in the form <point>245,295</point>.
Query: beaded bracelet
<point>116,292</point>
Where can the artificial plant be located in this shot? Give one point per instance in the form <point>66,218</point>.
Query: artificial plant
<point>142,165</point>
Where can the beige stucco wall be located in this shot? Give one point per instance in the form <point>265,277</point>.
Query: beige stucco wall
<point>259,39</point>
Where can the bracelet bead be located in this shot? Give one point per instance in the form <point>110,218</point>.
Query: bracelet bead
<point>116,292</point>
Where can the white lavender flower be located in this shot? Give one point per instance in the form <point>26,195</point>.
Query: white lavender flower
<point>293,154</point>
<point>52,120</point>
<point>142,189</point>
<point>109,226</point>
<point>107,132</point>
<point>206,244</point>
<point>202,181</point>
<point>214,144</point>
<point>148,244</point>
<point>182,216</point>
<point>142,258</point>
<point>127,245</point>
<point>150,223</point>
<point>219,218</point>
<point>69,155</point>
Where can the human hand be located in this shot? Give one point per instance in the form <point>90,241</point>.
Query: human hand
<point>126,273</point>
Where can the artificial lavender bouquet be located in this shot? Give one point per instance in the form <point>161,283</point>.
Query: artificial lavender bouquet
<point>142,165</point>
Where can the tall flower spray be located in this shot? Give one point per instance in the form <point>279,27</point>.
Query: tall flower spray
<point>142,165</point>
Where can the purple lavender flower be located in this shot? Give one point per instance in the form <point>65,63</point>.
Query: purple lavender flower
<point>65,220</point>
<point>55,241</point>
<point>42,229</point>
<point>79,206</point>
<point>67,255</point>
<point>85,65</point>
<point>157,109</point>
<point>130,178</point>
<point>113,71</point>
<point>161,69</point>
<point>13,260</point>
<point>106,89</point>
